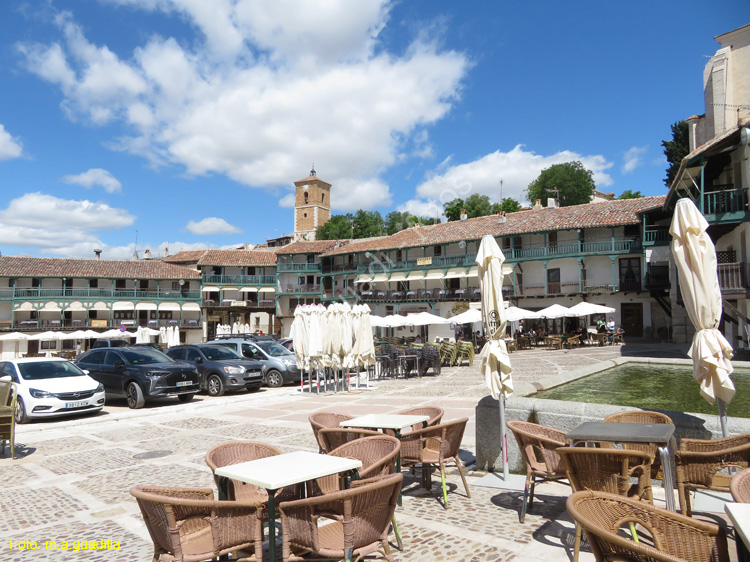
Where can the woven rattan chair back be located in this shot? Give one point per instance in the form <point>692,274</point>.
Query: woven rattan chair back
<point>319,420</point>
<point>675,537</point>
<point>235,452</point>
<point>187,525</point>
<point>7,416</point>
<point>330,438</point>
<point>435,413</point>
<point>739,486</point>
<point>643,416</point>
<point>360,518</point>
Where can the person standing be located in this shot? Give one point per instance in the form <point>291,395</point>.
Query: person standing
<point>78,348</point>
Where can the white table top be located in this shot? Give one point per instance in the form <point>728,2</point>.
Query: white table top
<point>384,421</point>
<point>273,473</point>
<point>739,513</point>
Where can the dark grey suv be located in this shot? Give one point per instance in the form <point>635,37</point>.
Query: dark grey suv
<point>221,369</point>
<point>279,364</point>
<point>139,373</point>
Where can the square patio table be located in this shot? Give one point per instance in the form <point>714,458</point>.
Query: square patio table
<point>278,471</point>
<point>739,513</point>
<point>661,434</point>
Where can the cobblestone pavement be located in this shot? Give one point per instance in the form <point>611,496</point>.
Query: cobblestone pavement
<point>72,480</point>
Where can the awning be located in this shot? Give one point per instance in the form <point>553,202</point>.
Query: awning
<point>169,306</point>
<point>51,307</point>
<point>473,272</point>
<point>435,274</point>
<point>415,275</point>
<point>191,306</point>
<point>455,272</point>
<point>75,305</point>
<point>100,305</point>
<point>363,279</point>
<point>380,277</point>
<point>145,306</point>
<point>398,276</point>
<point>26,306</point>
<point>210,289</point>
<point>230,288</point>
<point>266,290</point>
<point>249,289</point>
<point>122,305</point>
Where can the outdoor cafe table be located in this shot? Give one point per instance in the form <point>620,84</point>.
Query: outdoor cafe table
<point>276,472</point>
<point>661,434</point>
<point>739,513</point>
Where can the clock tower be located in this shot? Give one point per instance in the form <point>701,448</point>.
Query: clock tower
<point>312,206</point>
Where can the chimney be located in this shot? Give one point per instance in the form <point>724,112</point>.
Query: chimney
<point>147,255</point>
<point>538,205</point>
<point>98,253</point>
<point>552,203</point>
<point>692,122</point>
<point>166,251</point>
<point>464,216</point>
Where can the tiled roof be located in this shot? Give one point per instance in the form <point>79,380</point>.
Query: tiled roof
<point>618,212</point>
<point>238,258</point>
<point>187,256</point>
<point>310,247</point>
<point>18,266</point>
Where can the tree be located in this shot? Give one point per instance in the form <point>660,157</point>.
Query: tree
<point>509,205</point>
<point>338,227</point>
<point>676,149</point>
<point>479,206</point>
<point>452,209</point>
<point>396,221</point>
<point>570,183</point>
<point>367,223</point>
<point>628,194</point>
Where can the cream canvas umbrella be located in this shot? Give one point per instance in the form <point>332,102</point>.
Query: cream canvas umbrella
<point>695,257</point>
<point>494,362</point>
<point>469,317</point>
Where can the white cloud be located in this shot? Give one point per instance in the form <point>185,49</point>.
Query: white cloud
<point>211,225</point>
<point>36,220</point>
<point>9,147</point>
<point>422,208</point>
<point>273,84</point>
<point>633,158</point>
<point>351,195</point>
<point>95,177</point>
<point>287,201</point>
<point>516,168</point>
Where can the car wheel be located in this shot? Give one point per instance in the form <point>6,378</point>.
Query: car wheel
<point>134,394</point>
<point>274,379</point>
<point>20,413</point>
<point>214,385</point>
<point>185,397</point>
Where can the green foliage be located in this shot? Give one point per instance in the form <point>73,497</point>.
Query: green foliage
<point>574,184</point>
<point>338,227</point>
<point>396,221</point>
<point>479,206</point>
<point>510,205</point>
<point>367,224</point>
<point>676,149</point>
<point>628,194</point>
<point>452,209</point>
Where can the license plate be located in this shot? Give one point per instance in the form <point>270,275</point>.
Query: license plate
<point>76,404</point>
<point>184,383</point>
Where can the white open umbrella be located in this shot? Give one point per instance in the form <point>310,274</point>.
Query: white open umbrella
<point>589,308</point>
<point>554,311</point>
<point>426,319</point>
<point>377,321</point>
<point>14,336</point>
<point>469,317</point>
<point>494,361</point>
<point>695,257</point>
<point>514,314</point>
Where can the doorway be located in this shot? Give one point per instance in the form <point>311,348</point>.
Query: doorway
<point>631,318</point>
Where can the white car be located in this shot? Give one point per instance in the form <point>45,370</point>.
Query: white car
<point>50,387</point>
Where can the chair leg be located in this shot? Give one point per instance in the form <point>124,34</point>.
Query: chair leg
<point>525,499</point>
<point>459,464</point>
<point>531,493</point>
<point>577,547</point>
<point>445,488</point>
<point>398,534</point>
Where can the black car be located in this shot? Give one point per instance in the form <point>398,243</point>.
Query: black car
<point>119,342</point>
<point>140,373</point>
<point>220,368</point>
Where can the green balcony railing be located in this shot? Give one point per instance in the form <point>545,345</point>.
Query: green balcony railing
<point>294,267</point>
<point>656,236</point>
<point>725,201</point>
<point>240,279</point>
<point>37,293</point>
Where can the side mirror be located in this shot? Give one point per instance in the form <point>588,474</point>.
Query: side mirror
<point>199,360</point>
<point>119,364</point>
<point>5,378</point>
<point>86,372</point>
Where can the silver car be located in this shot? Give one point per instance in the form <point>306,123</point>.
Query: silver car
<point>279,364</point>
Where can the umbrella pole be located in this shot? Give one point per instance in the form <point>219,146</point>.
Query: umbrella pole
<point>722,416</point>
<point>504,437</point>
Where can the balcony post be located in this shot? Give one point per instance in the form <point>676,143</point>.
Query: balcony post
<point>612,247</point>
<point>614,273</point>
<point>546,279</point>
<point>580,274</point>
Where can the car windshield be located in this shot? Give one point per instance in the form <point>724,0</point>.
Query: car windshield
<point>145,356</point>
<point>48,370</point>
<point>219,353</point>
<point>273,349</point>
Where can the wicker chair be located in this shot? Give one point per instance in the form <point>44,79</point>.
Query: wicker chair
<point>740,486</point>
<point>7,416</point>
<point>436,445</point>
<point>319,420</point>
<point>538,445</point>
<point>187,525</point>
<point>330,438</point>
<point>699,464</point>
<point>607,470</point>
<point>429,358</point>
<point>358,528</point>
<point>643,416</point>
<point>235,452</point>
<point>675,537</point>
<point>435,413</point>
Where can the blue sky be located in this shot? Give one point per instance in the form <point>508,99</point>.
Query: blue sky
<point>183,123</point>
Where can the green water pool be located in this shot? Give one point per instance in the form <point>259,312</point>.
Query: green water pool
<point>657,387</point>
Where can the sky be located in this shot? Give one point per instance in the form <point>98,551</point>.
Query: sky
<point>128,125</point>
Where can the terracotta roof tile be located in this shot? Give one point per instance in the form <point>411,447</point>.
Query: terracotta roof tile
<point>618,212</point>
<point>310,247</point>
<point>186,256</point>
<point>19,266</point>
<point>239,258</point>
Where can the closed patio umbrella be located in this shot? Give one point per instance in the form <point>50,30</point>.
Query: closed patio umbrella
<point>695,257</point>
<point>494,362</point>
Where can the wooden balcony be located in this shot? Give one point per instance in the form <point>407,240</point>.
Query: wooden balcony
<point>733,277</point>
<point>98,294</point>
<point>239,279</point>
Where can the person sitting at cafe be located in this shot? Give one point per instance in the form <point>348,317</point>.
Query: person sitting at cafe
<point>418,339</point>
<point>611,325</point>
<point>618,333</point>
<point>601,326</point>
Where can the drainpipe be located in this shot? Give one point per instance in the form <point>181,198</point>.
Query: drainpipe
<point>703,179</point>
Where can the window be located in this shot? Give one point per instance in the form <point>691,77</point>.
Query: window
<point>143,285</point>
<point>307,199</point>
<point>119,284</point>
<point>193,355</point>
<point>48,344</point>
<point>553,280</point>
<point>112,358</point>
<point>438,251</point>
<point>552,239</point>
<point>93,283</point>
<point>322,197</point>
<point>35,283</point>
<point>177,354</point>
